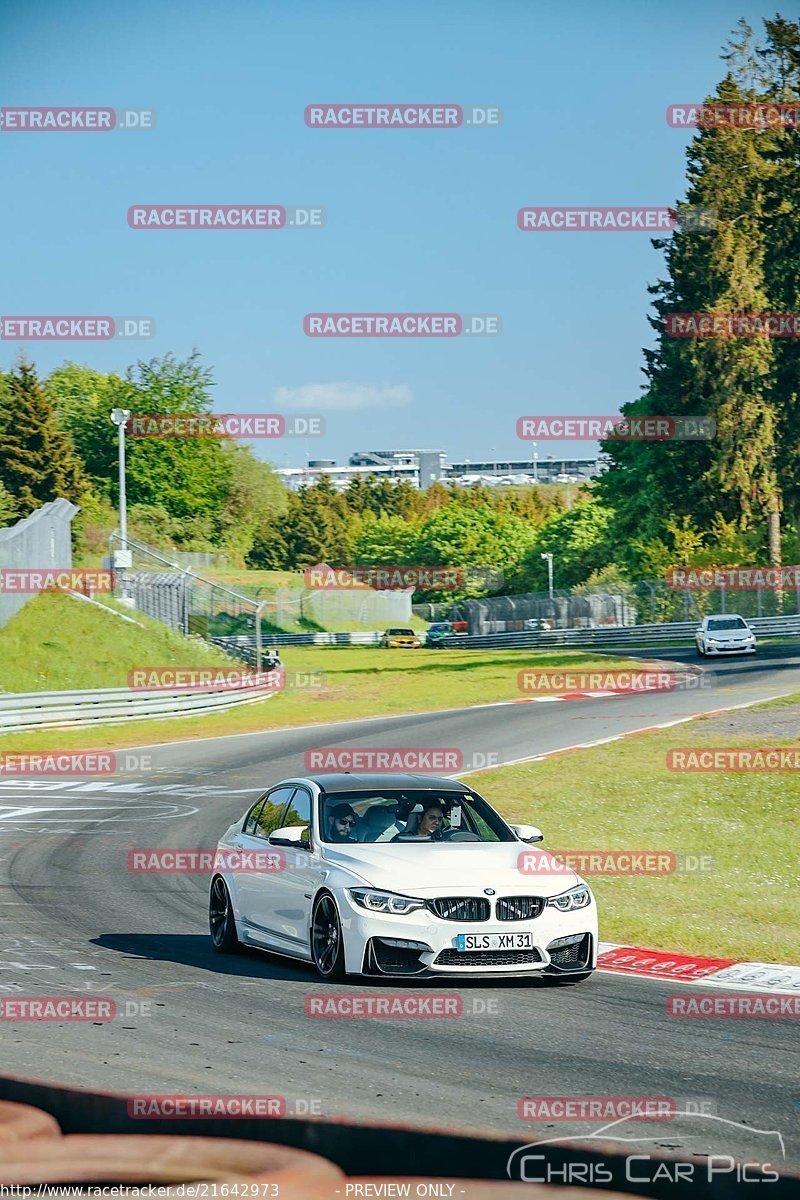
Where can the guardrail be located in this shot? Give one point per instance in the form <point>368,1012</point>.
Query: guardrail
<point>234,643</point>
<point>622,636</point>
<point>50,710</point>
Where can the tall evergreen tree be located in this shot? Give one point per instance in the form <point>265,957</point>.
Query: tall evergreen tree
<point>780,58</point>
<point>728,268</point>
<point>38,461</point>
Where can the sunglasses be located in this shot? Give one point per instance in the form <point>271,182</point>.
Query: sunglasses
<point>346,820</point>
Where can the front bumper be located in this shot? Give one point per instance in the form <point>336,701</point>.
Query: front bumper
<point>422,945</point>
<point>732,648</point>
<point>394,644</point>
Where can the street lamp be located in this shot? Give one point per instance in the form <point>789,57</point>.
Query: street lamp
<point>122,558</point>
<point>535,457</point>
<point>549,557</point>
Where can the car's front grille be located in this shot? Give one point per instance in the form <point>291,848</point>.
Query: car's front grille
<point>487,958</point>
<point>460,908</point>
<point>519,908</point>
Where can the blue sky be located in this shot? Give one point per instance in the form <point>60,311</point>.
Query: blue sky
<point>421,221</point>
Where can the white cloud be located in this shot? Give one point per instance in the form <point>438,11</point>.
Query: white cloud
<point>341,397</point>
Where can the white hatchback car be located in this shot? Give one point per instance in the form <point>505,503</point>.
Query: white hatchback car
<point>397,875</point>
<point>725,633</point>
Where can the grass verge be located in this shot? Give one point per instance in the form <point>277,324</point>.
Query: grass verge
<point>58,643</point>
<point>622,796</point>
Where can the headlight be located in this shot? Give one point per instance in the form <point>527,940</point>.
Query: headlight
<point>385,902</point>
<point>577,897</point>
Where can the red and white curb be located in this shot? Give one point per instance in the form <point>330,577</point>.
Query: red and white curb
<point>697,969</point>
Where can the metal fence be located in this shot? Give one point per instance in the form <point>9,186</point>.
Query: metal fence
<point>41,540</point>
<point>647,602</point>
<point>608,637</point>
<point>160,586</point>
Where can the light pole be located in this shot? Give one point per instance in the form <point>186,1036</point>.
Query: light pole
<point>122,558</point>
<point>549,557</point>
<point>535,457</point>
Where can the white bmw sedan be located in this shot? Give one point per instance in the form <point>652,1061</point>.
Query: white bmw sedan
<point>397,875</point>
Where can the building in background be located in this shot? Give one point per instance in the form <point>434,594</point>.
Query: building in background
<point>421,468</point>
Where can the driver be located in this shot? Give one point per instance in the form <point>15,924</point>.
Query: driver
<point>342,822</point>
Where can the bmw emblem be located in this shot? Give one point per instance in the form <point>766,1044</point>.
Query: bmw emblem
<point>488,891</point>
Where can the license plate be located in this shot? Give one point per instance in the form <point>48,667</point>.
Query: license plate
<point>494,941</point>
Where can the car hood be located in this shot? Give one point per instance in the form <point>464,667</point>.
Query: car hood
<point>727,635</point>
<point>458,868</point>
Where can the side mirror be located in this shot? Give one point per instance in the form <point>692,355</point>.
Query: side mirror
<point>293,835</point>
<point>525,833</point>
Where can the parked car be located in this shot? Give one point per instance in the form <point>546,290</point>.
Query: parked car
<point>436,632</point>
<point>725,633</point>
<point>401,639</point>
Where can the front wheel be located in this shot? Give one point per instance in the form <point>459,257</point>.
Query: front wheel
<point>700,650</point>
<point>327,947</point>
<point>221,921</point>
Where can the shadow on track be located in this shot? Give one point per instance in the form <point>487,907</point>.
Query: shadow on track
<point>194,950</point>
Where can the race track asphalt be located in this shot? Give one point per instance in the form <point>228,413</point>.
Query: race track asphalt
<point>75,920</point>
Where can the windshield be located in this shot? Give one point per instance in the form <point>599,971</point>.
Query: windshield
<point>400,632</point>
<point>412,817</point>
<point>727,623</point>
<point>439,627</point>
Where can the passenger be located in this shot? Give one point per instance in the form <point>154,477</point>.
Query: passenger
<point>431,821</point>
<point>342,822</point>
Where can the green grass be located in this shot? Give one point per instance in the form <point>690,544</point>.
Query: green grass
<point>622,796</point>
<point>57,643</point>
